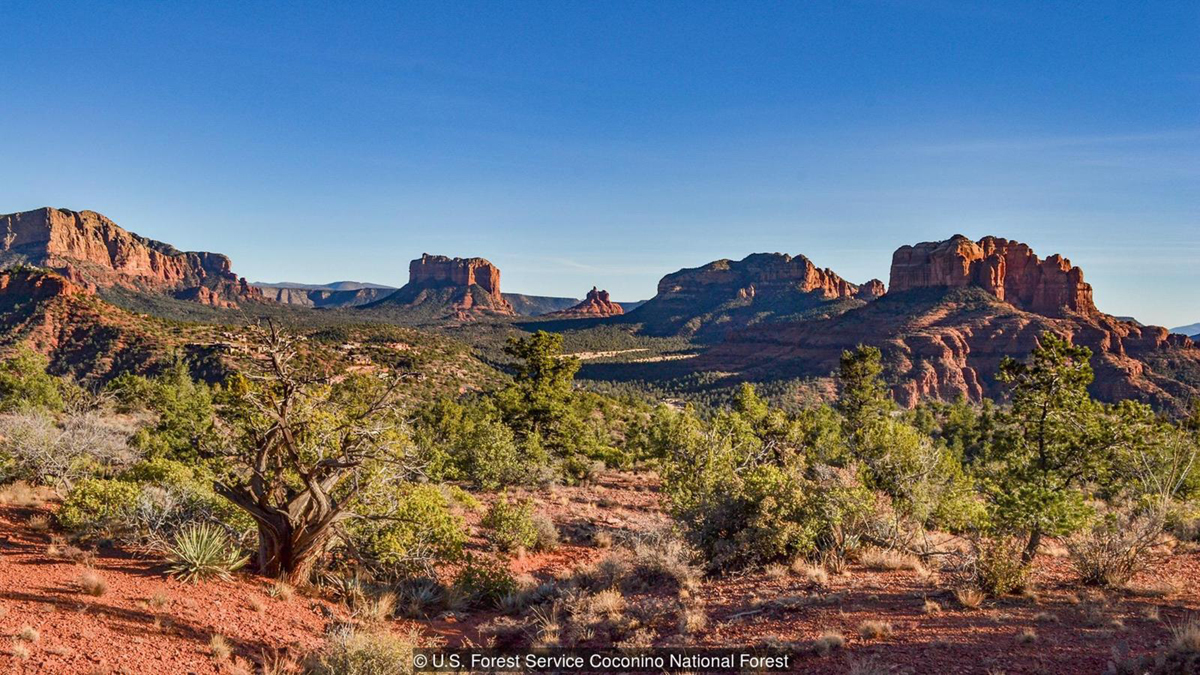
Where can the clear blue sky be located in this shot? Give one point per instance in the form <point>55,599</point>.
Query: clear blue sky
<point>610,143</point>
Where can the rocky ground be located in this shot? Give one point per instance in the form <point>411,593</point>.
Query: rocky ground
<point>53,618</point>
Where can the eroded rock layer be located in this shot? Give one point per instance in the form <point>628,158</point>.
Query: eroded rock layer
<point>953,311</point>
<point>92,250</point>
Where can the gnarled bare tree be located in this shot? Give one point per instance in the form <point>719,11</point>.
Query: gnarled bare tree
<point>298,441</point>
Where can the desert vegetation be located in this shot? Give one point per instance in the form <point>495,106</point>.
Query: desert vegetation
<point>486,512</point>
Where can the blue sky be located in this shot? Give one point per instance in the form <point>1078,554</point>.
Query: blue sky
<point>610,143</point>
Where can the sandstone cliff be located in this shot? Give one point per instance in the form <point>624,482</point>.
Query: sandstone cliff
<point>1007,269</point>
<point>596,304</point>
<point>706,302</point>
<point>440,287</point>
<point>90,249</point>
<point>955,309</point>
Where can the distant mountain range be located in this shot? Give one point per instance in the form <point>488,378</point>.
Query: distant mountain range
<point>1192,329</point>
<point>952,310</point>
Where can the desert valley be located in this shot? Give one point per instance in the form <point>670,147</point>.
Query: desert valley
<point>235,477</point>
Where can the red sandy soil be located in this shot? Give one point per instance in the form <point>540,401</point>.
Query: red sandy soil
<point>122,631</point>
<point>1077,629</point>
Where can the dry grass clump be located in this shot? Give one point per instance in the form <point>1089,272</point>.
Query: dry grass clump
<point>1045,617</point>
<point>815,574</point>
<point>692,619</point>
<point>828,642</point>
<point>159,600</point>
<point>21,494</point>
<point>1151,613</point>
<point>256,605</point>
<point>1027,636</point>
<point>969,597</point>
<point>92,583</point>
<point>602,540</point>
<point>931,607</point>
<point>775,571</point>
<point>19,651</point>
<point>28,633</point>
<point>39,523</point>
<point>888,560</point>
<point>219,647</point>
<point>280,590</point>
<point>874,630</point>
<point>1185,636</point>
<point>375,609</point>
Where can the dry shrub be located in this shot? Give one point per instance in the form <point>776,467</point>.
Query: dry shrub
<point>1115,548</point>
<point>602,539</point>
<point>39,522</point>
<point>875,630</point>
<point>374,609</point>
<point>828,642</point>
<point>92,583</point>
<point>995,566</point>
<point>19,651</point>
<point>1027,636</point>
<point>931,607</point>
<point>889,560</point>
<point>28,633</point>
<point>354,652</point>
<point>775,571</point>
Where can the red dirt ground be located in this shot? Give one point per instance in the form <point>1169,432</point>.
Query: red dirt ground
<point>1077,629</point>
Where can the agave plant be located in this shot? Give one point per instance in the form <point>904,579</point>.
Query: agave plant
<point>203,551</point>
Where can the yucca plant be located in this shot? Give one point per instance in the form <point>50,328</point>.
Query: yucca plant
<point>203,551</point>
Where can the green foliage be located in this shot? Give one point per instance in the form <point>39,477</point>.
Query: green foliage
<point>863,396</point>
<point>510,525</point>
<point>484,581</point>
<point>1051,444</point>
<point>468,440</point>
<point>94,504</point>
<point>538,402</point>
<point>184,410</point>
<point>25,384</point>
<point>203,551</point>
<point>421,529</point>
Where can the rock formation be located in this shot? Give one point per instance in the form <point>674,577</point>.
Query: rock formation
<point>441,287</point>
<point>983,301</point>
<point>596,304</point>
<point>90,249</point>
<point>706,302</point>
<point>1007,269</point>
<point>323,297</point>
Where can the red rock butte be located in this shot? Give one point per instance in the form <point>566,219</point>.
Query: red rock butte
<point>1007,269</point>
<point>597,303</point>
<point>443,271</point>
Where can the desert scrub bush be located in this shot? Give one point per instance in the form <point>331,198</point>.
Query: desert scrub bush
<point>96,504</point>
<point>420,528</point>
<point>60,450</point>
<point>547,533</point>
<point>1115,548</point>
<point>660,560</point>
<point>996,565</point>
<point>509,525</point>
<point>875,630</point>
<point>203,551</point>
<point>484,581</point>
<point>828,642</point>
